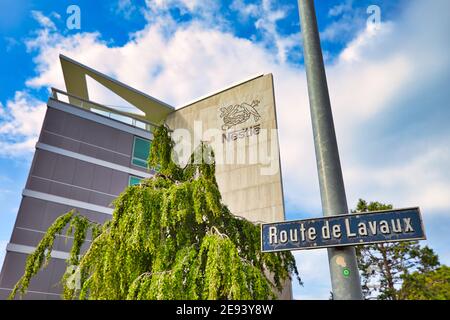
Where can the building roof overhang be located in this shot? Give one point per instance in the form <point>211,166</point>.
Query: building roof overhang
<point>75,73</point>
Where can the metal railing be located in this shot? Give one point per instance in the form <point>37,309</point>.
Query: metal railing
<point>103,110</point>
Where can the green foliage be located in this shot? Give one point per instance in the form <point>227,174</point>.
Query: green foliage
<point>170,237</point>
<point>78,225</point>
<point>430,285</point>
<point>387,264</point>
<point>160,157</point>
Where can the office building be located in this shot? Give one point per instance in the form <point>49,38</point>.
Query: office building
<point>88,153</point>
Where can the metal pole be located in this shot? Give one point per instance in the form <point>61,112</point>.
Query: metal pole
<point>345,280</point>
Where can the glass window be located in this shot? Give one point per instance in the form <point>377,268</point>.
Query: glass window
<point>132,181</point>
<point>141,150</point>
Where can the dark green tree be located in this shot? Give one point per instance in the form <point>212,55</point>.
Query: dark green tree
<point>170,237</point>
<point>429,285</point>
<point>384,266</point>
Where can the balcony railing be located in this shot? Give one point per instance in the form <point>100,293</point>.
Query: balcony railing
<point>102,110</point>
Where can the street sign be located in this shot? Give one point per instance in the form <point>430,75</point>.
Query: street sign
<point>343,230</point>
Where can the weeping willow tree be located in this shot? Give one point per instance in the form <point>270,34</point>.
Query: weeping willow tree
<point>170,237</point>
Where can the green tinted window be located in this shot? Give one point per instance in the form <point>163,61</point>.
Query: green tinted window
<point>134,180</point>
<point>141,149</point>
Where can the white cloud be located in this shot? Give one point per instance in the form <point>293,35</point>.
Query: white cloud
<point>44,21</point>
<point>11,43</point>
<point>191,5</point>
<point>126,8</point>
<point>419,181</point>
<point>195,7</point>
<point>24,115</point>
<point>341,8</point>
<point>20,124</point>
<point>244,10</point>
<point>267,16</point>
<point>347,20</point>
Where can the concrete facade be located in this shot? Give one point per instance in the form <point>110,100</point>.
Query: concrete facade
<point>250,187</point>
<point>246,185</point>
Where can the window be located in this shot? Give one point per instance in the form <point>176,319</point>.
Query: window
<point>132,181</point>
<point>141,149</point>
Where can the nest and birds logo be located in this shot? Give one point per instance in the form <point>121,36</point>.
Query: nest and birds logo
<point>239,113</point>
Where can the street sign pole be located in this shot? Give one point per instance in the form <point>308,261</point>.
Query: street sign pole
<point>345,279</point>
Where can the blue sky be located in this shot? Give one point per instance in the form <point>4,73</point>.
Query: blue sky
<point>388,86</point>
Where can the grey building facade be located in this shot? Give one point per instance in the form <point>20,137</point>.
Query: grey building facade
<point>83,161</point>
<point>88,153</point>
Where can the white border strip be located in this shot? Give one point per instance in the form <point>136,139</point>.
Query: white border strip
<point>85,114</point>
<point>82,157</point>
<point>20,248</point>
<point>88,144</point>
<point>66,201</point>
<point>74,186</point>
<point>43,232</point>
